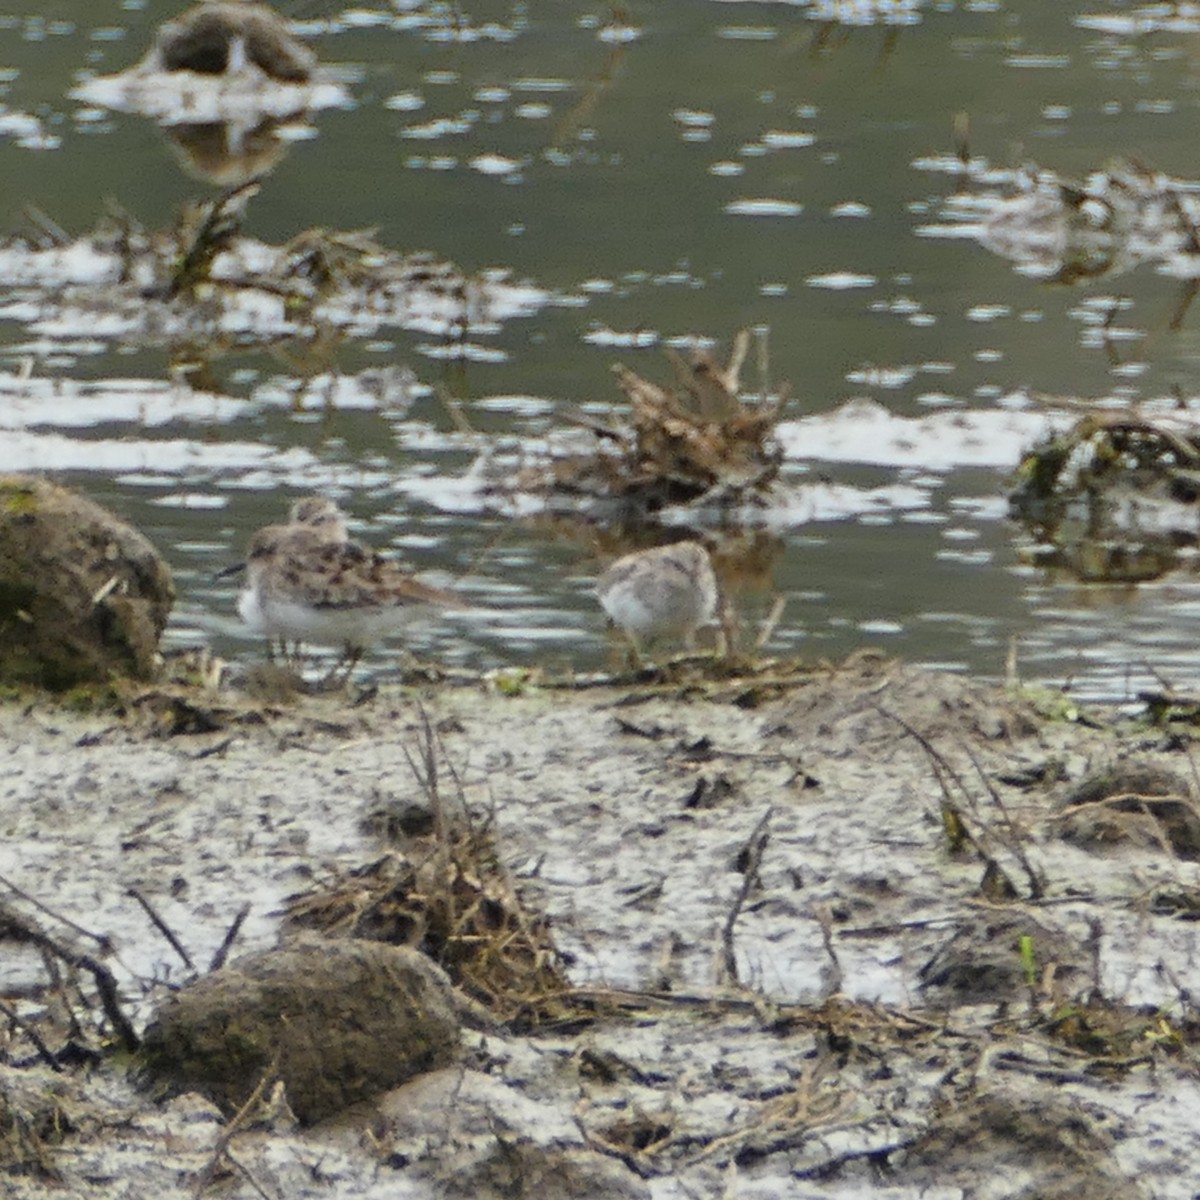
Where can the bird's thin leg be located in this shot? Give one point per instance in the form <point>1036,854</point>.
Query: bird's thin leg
<point>340,672</point>
<point>634,658</point>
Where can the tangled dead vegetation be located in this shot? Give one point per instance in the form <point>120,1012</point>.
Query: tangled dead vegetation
<point>698,443</point>
<point>1064,230</point>
<point>1114,498</point>
<point>444,892</point>
<point>203,276</point>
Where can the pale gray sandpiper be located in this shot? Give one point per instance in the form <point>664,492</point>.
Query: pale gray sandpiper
<point>668,592</point>
<point>306,582</point>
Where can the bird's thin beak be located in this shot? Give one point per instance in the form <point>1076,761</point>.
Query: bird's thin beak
<point>234,569</point>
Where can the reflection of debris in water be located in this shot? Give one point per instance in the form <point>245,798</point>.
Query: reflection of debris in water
<point>1115,498</point>
<point>223,75</point>
<point>218,39</point>
<point>865,12</point>
<point>230,153</point>
<point>1059,230</point>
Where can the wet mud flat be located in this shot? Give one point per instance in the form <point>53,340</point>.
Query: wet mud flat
<point>852,930</point>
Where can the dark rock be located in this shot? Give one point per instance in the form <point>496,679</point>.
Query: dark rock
<point>336,1021</point>
<point>83,596</point>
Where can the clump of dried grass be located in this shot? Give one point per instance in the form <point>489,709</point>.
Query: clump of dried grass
<point>444,892</point>
<point>697,442</point>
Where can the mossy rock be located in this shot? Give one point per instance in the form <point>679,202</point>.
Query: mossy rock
<point>83,596</point>
<point>336,1021</point>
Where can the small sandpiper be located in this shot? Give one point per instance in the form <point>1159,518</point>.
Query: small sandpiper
<point>322,514</point>
<point>308,582</point>
<point>668,592</point>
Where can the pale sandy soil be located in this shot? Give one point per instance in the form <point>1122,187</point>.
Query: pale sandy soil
<point>879,1033</point>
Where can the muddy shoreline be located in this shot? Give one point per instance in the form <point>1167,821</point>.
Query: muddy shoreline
<point>834,931</point>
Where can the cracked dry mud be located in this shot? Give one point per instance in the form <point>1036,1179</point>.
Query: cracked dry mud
<point>827,936</point>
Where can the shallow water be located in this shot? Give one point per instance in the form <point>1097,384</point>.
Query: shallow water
<point>711,166</point>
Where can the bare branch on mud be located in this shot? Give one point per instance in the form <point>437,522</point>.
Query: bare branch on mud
<point>957,829</point>
<point>44,1051</point>
<point>1092,945</point>
<point>22,929</point>
<point>245,1170</point>
<point>1037,885</point>
<point>751,859</point>
<point>102,940</point>
<point>162,927</point>
<point>632,1159</point>
<point>833,983</point>
<point>423,762</point>
<point>218,959</point>
<point>207,1173</point>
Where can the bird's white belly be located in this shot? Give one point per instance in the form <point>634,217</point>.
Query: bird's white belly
<point>278,616</point>
<point>628,609</point>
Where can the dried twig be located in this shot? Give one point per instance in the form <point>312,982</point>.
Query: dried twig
<point>825,921</point>
<point>753,851</point>
<point>955,825</point>
<point>20,928</point>
<point>44,1051</point>
<point>218,959</point>
<point>207,1173</point>
<point>594,1141</point>
<point>423,762</point>
<point>1036,883</point>
<point>162,927</point>
<point>245,1170</point>
<point>102,940</point>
